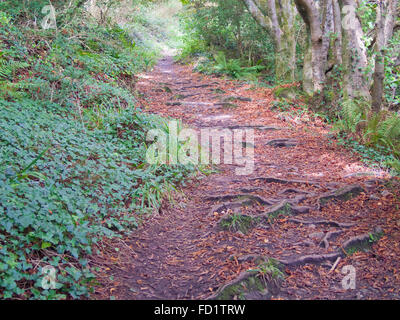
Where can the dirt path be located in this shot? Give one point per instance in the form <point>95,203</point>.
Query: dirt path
<point>182,253</point>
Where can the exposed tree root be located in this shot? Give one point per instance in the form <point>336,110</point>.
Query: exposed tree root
<point>250,126</point>
<point>334,257</point>
<point>362,241</point>
<point>301,209</point>
<point>249,257</point>
<point>250,189</point>
<point>282,208</point>
<point>243,223</point>
<point>293,190</point>
<point>286,207</point>
<point>244,198</point>
<point>249,198</point>
<point>326,222</point>
<point>238,98</point>
<point>234,288</point>
<point>314,258</point>
<point>227,105</point>
<point>258,284</point>
<point>226,206</point>
<point>279,143</point>
<point>284,181</point>
<point>297,199</point>
<point>342,194</point>
<point>329,235</point>
<point>196,86</point>
<point>360,174</point>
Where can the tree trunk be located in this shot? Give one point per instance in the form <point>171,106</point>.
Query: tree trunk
<point>277,17</point>
<point>286,53</point>
<point>385,19</point>
<point>338,31</point>
<point>309,12</point>
<point>354,54</point>
<point>307,82</point>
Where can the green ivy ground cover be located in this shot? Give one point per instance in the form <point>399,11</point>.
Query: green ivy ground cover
<point>72,153</point>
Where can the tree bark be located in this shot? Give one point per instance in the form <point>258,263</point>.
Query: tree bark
<point>277,17</point>
<point>354,54</point>
<point>338,31</point>
<point>385,21</point>
<point>309,12</point>
<point>286,57</point>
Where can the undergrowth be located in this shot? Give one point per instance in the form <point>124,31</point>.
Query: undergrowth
<point>218,64</point>
<point>72,148</point>
<point>223,39</point>
<point>375,136</point>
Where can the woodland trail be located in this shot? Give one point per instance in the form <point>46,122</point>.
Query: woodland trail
<point>181,253</point>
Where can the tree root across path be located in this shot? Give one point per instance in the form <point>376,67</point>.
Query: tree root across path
<point>292,190</point>
<point>242,222</point>
<point>325,222</point>
<point>248,284</point>
<point>251,126</point>
<point>279,143</point>
<point>342,194</point>
<point>284,181</point>
<point>277,207</point>
<point>248,198</point>
<point>291,205</point>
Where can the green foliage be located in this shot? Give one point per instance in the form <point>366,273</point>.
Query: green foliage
<point>379,131</point>
<point>72,148</point>
<point>394,164</point>
<point>392,72</point>
<point>237,222</point>
<point>270,273</point>
<point>8,68</point>
<point>376,156</point>
<point>367,12</point>
<point>383,130</point>
<point>352,112</point>
<point>271,268</point>
<point>155,26</point>
<point>285,105</point>
<point>233,68</point>
<point>191,47</point>
<point>228,30</point>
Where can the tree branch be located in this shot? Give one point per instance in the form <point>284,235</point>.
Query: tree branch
<point>263,20</point>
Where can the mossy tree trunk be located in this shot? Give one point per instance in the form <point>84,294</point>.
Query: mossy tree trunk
<point>286,48</point>
<point>318,26</point>
<point>307,82</point>
<point>386,14</point>
<point>354,54</point>
<point>278,17</point>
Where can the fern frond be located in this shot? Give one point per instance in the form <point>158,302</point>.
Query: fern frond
<point>9,67</point>
<point>390,128</point>
<point>352,113</point>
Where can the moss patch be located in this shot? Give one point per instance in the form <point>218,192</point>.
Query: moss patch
<point>240,289</point>
<point>342,194</point>
<point>258,284</point>
<point>364,244</point>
